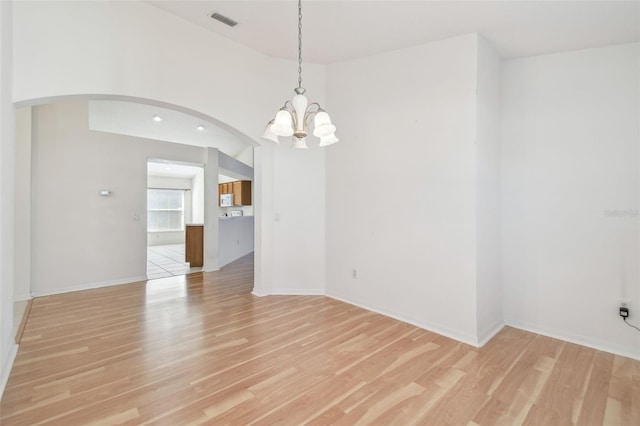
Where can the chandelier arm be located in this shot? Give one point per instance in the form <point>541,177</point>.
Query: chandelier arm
<point>309,113</point>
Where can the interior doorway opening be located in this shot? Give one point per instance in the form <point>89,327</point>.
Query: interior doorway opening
<point>175,204</point>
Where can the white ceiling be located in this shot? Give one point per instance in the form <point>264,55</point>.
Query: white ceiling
<point>340,30</point>
<point>134,119</point>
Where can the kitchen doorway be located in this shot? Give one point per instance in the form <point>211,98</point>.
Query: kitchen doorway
<point>175,199</point>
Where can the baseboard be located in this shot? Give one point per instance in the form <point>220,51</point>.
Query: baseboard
<point>435,328</point>
<point>297,292</point>
<point>22,297</point>
<point>485,337</point>
<point>258,293</point>
<point>6,368</point>
<point>578,340</point>
<point>23,321</point>
<point>89,286</point>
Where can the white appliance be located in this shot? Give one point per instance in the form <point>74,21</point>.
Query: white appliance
<point>226,200</point>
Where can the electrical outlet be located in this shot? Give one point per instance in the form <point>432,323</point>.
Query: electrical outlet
<point>354,273</point>
<point>624,308</point>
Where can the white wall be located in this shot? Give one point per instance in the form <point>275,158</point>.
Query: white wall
<point>211,228</point>
<point>236,238</point>
<point>22,205</point>
<point>409,114</point>
<point>7,179</point>
<point>488,254</point>
<point>234,168</point>
<point>264,231</point>
<point>246,156</point>
<point>197,185</point>
<point>81,239</point>
<point>299,215</point>
<point>111,48</point>
<point>570,135</point>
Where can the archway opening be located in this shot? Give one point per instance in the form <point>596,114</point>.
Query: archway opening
<point>115,203</point>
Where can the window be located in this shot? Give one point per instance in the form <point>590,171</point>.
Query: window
<point>165,210</point>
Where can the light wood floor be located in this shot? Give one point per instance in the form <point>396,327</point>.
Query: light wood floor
<point>202,349</point>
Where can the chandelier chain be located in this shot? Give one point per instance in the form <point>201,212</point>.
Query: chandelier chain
<point>299,44</point>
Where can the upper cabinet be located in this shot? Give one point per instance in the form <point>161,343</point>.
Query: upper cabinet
<point>241,190</point>
<point>242,193</point>
<point>224,188</point>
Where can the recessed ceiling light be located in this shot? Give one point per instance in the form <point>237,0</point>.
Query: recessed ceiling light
<point>157,118</point>
<point>200,127</point>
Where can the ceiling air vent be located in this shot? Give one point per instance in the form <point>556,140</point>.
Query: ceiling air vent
<point>224,19</point>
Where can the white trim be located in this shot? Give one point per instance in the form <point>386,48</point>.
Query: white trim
<point>578,340</point>
<point>6,368</point>
<point>91,286</point>
<point>259,294</point>
<point>435,328</point>
<point>297,292</point>
<point>22,297</point>
<point>490,334</point>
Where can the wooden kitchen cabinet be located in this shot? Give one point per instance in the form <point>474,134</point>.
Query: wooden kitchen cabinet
<point>242,193</point>
<point>194,245</point>
<point>224,188</point>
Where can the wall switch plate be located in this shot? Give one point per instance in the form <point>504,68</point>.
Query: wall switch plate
<point>354,273</point>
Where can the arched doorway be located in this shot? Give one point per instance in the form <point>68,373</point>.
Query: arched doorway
<point>203,155</point>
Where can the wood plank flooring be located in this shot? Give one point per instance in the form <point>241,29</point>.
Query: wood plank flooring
<point>203,350</point>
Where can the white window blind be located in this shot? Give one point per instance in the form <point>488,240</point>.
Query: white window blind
<point>165,210</point>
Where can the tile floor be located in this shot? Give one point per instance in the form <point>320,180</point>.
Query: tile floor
<point>167,261</point>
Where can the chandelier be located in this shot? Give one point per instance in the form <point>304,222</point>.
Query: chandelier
<point>295,117</point>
